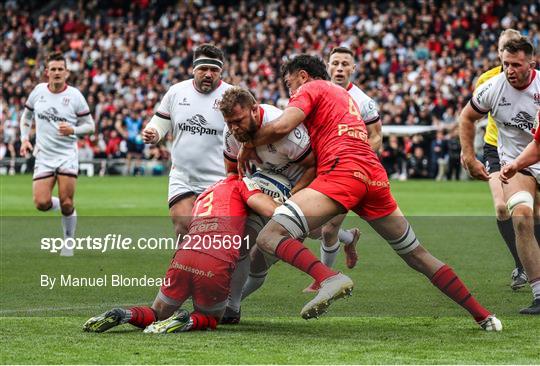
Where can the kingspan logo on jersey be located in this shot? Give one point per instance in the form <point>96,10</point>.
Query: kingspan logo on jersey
<point>523,121</point>
<point>51,115</point>
<point>196,125</point>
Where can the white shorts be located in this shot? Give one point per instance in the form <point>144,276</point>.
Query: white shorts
<point>533,170</point>
<point>46,167</point>
<point>180,187</point>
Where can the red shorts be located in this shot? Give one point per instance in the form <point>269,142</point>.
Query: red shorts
<point>368,196</point>
<point>205,278</point>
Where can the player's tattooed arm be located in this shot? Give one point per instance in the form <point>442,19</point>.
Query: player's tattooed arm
<point>466,121</point>
<point>310,165</point>
<point>374,131</point>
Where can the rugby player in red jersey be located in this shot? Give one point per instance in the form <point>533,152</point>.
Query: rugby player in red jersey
<point>203,264</point>
<point>349,177</point>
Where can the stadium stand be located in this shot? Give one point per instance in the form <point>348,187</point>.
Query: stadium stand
<point>417,60</point>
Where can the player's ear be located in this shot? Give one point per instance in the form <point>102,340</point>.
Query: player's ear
<point>532,64</point>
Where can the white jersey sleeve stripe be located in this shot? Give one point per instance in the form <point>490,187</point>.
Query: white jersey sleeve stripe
<point>230,157</point>
<point>303,155</point>
<point>374,120</point>
<point>163,115</point>
<point>477,108</point>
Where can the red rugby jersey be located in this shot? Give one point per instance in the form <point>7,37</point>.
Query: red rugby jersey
<point>219,215</point>
<point>335,126</point>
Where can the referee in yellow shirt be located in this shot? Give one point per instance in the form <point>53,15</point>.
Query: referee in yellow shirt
<point>493,167</point>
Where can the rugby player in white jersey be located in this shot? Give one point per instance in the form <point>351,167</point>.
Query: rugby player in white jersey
<point>512,98</point>
<point>61,114</point>
<point>291,157</point>
<point>190,110</point>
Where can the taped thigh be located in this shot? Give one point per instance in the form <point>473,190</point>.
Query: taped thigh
<point>290,216</point>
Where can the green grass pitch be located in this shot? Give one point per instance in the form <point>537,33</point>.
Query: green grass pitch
<point>394,315</point>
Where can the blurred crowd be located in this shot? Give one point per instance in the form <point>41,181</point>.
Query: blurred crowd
<point>417,59</point>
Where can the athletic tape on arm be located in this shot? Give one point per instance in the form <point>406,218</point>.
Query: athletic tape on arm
<point>26,123</point>
<point>161,125</point>
<point>85,125</point>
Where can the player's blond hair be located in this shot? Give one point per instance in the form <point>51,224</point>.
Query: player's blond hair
<point>232,97</point>
<point>510,33</point>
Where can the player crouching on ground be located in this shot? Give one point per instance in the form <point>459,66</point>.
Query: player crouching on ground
<point>202,266</point>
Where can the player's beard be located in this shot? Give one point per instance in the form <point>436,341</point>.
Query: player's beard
<point>248,134</point>
<point>207,86</point>
<point>519,80</point>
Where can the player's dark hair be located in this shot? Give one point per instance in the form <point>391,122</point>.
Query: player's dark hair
<point>208,50</point>
<point>313,65</point>
<point>342,50</point>
<point>233,96</point>
<point>519,44</point>
<point>56,56</point>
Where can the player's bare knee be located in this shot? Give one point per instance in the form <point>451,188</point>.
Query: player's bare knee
<point>501,211</point>
<point>66,205</point>
<point>329,233</point>
<point>180,226</point>
<point>42,204</point>
<point>268,240</point>
<point>162,309</point>
<point>523,221</point>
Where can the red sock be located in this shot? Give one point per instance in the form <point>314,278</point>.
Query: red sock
<point>142,316</point>
<point>202,321</point>
<point>296,254</point>
<point>448,282</point>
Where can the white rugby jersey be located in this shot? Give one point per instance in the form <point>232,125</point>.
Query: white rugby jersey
<point>368,107</point>
<point>281,157</point>
<point>197,129</point>
<point>513,111</point>
<point>50,109</point>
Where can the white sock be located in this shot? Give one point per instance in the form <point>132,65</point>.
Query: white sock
<point>329,254</point>
<point>536,289</point>
<point>253,283</point>
<point>238,280</point>
<point>55,204</point>
<point>345,236</point>
<point>68,224</point>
